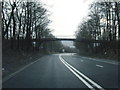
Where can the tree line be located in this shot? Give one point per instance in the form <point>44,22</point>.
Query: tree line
<point>102,24</point>
<point>23,21</point>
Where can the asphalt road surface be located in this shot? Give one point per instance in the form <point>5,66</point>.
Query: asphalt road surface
<point>67,71</point>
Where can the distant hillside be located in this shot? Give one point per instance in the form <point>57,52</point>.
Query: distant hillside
<point>68,43</point>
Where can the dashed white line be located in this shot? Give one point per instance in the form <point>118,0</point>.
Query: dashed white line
<point>99,66</point>
<point>81,60</point>
<point>79,74</point>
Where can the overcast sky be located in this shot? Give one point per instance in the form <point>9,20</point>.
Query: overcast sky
<point>66,15</point>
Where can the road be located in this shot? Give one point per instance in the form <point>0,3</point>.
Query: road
<point>66,71</point>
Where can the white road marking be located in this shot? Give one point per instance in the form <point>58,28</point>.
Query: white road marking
<point>105,61</point>
<point>81,60</point>
<point>13,74</point>
<point>78,72</point>
<point>79,77</point>
<point>3,69</point>
<point>99,66</point>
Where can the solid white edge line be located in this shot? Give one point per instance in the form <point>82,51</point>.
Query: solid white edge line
<point>91,81</point>
<point>108,62</point>
<point>14,73</point>
<point>80,78</point>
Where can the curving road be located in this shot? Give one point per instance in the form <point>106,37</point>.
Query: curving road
<point>67,71</point>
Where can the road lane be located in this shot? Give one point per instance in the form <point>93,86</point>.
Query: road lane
<point>87,81</point>
<point>107,76</point>
<point>48,72</point>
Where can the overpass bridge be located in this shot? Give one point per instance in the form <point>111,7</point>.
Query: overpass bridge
<point>40,42</point>
<point>70,39</point>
